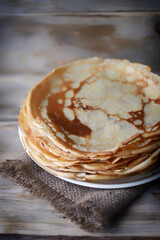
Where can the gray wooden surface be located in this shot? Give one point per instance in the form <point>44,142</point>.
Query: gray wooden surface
<point>31,45</point>
<point>36,44</point>
<point>75,6</point>
<point>60,237</point>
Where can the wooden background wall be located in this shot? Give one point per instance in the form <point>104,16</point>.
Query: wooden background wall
<point>39,35</point>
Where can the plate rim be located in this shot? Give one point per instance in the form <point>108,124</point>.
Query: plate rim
<point>99,185</point>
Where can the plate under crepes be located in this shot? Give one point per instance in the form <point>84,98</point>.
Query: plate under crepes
<point>127,182</point>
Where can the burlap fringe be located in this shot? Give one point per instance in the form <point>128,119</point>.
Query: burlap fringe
<point>20,172</point>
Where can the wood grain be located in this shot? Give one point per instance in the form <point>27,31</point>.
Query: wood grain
<point>37,44</point>
<point>60,237</point>
<point>75,6</point>
<point>13,90</point>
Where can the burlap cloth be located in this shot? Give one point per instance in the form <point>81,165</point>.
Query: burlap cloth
<point>91,208</point>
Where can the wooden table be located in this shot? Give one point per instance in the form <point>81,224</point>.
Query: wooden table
<point>34,39</point>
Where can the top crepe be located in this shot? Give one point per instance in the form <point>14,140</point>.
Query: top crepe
<point>94,119</point>
<point>95,106</point>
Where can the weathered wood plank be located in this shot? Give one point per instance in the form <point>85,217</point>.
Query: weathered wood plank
<point>13,90</point>
<point>60,237</point>
<point>10,146</point>
<point>48,6</point>
<point>22,213</point>
<point>36,44</point>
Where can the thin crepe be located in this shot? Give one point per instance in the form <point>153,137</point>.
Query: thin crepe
<point>94,119</point>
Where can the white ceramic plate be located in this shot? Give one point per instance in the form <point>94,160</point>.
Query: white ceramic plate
<point>120,183</point>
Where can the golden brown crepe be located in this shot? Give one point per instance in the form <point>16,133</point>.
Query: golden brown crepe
<point>94,119</point>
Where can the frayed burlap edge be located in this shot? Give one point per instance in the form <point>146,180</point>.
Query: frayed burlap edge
<point>20,172</point>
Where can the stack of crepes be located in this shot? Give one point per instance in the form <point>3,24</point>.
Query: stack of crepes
<point>94,119</point>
